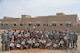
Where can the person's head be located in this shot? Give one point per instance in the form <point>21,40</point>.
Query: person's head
<point>44,29</point>
<point>4,32</point>
<point>71,33</point>
<point>20,31</point>
<point>9,30</point>
<point>75,31</point>
<point>37,31</point>
<point>41,32</point>
<point>15,30</point>
<point>55,31</point>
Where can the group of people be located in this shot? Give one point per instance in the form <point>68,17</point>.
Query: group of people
<point>63,39</point>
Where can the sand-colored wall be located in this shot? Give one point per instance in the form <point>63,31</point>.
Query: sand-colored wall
<point>58,19</point>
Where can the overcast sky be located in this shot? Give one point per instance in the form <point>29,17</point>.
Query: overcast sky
<point>14,8</point>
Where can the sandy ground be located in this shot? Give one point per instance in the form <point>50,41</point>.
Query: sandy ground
<point>42,50</point>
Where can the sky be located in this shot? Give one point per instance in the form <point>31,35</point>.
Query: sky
<point>15,8</point>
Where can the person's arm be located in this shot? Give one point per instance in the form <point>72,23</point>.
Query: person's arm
<point>77,36</point>
<point>13,33</point>
<point>1,35</point>
<point>23,33</point>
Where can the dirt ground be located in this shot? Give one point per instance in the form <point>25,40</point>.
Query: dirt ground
<point>42,50</point>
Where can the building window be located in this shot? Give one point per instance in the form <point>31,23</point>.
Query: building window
<point>61,24</point>
<point>21,24</point>
<point>38,24</point>
<point>29,24</point>
<point>78,25</point>
<point>45,24</point>
<point>1,24</point>
<point>25,24</point>
<point>6,24</point>
<point>15,24</point>
<point>68,24</point>
<point>53,24</point>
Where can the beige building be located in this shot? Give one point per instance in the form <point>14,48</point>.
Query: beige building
<point>51,22</point>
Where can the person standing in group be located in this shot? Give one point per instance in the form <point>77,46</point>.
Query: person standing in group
<point>9,36</point>
<point>45,33</point>
<point>66,40</point>
<point>71,39</point>
<point>15,36</point>
<point>51,34</point>
<point>39,34</point>
<point>4,41</point>
<point>75,38</point>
